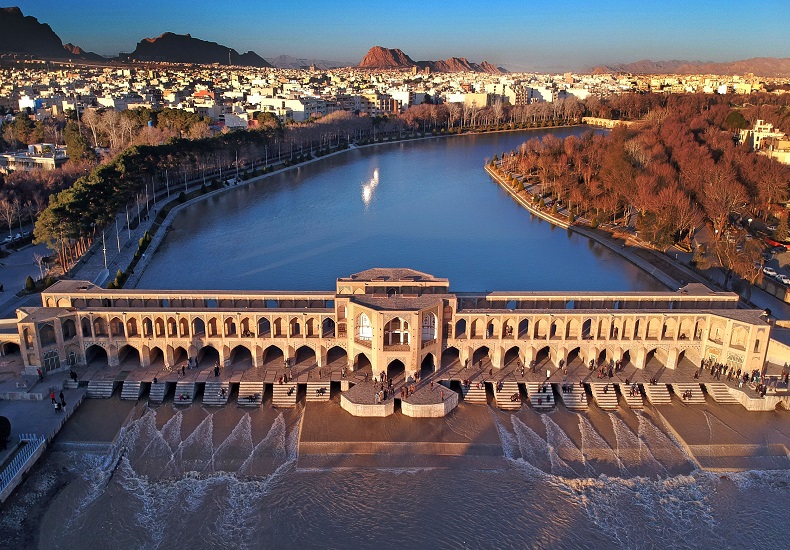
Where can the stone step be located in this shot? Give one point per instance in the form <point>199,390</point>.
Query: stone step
<point>157,393</point>
<point>634,401</point>
<point>185,393</point>
<point>476,394</point>
<point>575,399</point>
<point>250,394</point>
<point>284,395</point>
<point>101,389</point>
<point>720,393</point>
<point>317,391</point>
<point>539,400</point>
<point>503,395</point>
<point>71,384</point>
<point>131,390</point>
<point>657,394</point>
<point>605,395</point>
<point>212,394</point>
<point>697,395</point>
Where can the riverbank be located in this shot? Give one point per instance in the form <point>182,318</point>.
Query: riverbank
<point>670,274</point>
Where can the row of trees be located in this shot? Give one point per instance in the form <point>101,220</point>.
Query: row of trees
<point>681,168</point>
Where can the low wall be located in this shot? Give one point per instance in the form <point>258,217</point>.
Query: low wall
<point>358,409</point>
<point>432,410</point>
<point>405,448</point>
<point>767,403</point>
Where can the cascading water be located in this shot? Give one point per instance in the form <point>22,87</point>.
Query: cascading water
<point>562,451</point>
<point>596,450</point>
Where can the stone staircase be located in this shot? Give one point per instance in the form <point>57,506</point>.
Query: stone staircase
<point>131,390</point>
<point>212,394</point>
<point>70,384</point>
<point>697,395</point>
<point>475,395</point>
<point>657,394</point>
<point>157,393</point>
<point>576,399</point>
<point>185,393</point>
<point>721,393</point>
<point>247,389</point>
<point>284,395</point>
<point>606,400</point>
<point>540,401</point>
<point>101,389</point>
<point>635,401</point>
<point>317,391</point>
<point>503,397</point>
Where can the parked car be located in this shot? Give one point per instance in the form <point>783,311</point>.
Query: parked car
<point>8,239</point>
<point>784,278</point>
<point>770,271</point>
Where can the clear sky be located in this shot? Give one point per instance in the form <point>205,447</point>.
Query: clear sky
<point>540,34</point>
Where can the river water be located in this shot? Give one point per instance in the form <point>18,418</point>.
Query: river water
<point>231,479</point>
<point>427,205</point>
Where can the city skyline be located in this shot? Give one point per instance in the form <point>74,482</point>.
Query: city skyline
<point>501,32</point>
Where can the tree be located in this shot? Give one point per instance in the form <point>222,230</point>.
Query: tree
<point>40,260</point>
<point>30,284</point>
<point>76,145</point>
<point>781,234</point>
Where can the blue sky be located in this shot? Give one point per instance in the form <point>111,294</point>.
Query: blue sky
<point>520,35</point>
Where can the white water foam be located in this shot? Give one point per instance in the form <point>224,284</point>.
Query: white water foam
<point>595,448</point>
<point>561,450</point>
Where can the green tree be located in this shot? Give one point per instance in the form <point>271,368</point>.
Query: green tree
<point>76,145</point>
<point>30,284</point>
<point>736,121</point>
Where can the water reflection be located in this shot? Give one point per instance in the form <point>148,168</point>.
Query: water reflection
<point>369,187</point>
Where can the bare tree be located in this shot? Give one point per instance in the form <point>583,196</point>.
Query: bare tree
<point>8,213</point>
<point>41,261</point>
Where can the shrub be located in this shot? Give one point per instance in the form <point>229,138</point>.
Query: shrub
<point>182,197</point>
<point>542,203</point>
<point>571,218</point>
<point>30,284</point>
<point>111,285</point>
<point>554,209</point>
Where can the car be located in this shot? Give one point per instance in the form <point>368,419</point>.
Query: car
<point>8,239</point>
<point>17,236</point>
<point>783,278</point>
<point>771,228</point>
<point>778,249</point>
<point>25,234</point>
<point>770,271</point>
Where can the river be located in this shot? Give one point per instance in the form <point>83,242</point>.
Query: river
<point>427,205</point>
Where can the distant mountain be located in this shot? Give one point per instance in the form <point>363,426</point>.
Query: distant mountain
<point>290,62</point>
<point>394,58</point>
<point>759,66</point>
<point>23,34</point>
<point>182,48</point>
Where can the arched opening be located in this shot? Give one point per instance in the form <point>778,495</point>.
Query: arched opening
<point>364,331</point>
<point>279,327</point>
<point>46,334</point>
<point>475,330</point>
<point>556,329</point>
<point>507,329</point>
<point>395,369</point>
<point>543,356</point>
<point>230,327</point>
<point>336,357</point>
<point>51,361</point>
<point>540,328</point>
<point>244,328</point>
<point>481,356</point>
<point>212,328</point>
<point>207,357</point>
<point>305,357</point>
<point>427,366</point>
<point>86,327</point>
<point>9,348</point>
<point>156,357</point>
<point>294,328</point>
<point>264,328</point>
<point>100,327</point>
<point>273,356</point>
<point>587,331</point>
<point>653,329</point>
<point>172,327</point>
<point>669,329</point>
<point>699,328</point>
<point>450,357</point>
<point>523,328</point>
<point>128,357</point>
<point>686,327</point>
<point>131,327</point>
<point>159,327</point>
<point>183,328</point>
<point>512,357</point>
<point>603,357</point>
<point>180,356</point>
<point>626,359</point>
<point>573,359</point>
<point>328,328</point>
<point>655,359</point>
<point>362,363</point>
<point>572,330</point>
<point>148,328</point>
<point>460,328</point>
<point>240,357</point>
<point>69,329</point>
<point>491,331</point>
<point>428,327</point>
<point>96,356</point>
<point>116,327</point>
<point>310,328</point>
<point>198,328</point>
<point>396,333</point>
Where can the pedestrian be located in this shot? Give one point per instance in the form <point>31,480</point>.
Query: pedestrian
<point>52,396</point>
<point>548,374</point>
<point>62,400</point>
<point>40,375</point>
<point>216,371</point>
<point>183,371</point>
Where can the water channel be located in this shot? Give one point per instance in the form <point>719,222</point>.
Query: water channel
<point>426,204</point>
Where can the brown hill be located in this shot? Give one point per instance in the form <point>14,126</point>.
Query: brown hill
<point>379,57</point>
<point>183,48</point>
<point>76,51</point>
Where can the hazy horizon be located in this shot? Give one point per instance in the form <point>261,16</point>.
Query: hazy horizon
<point>573,35</point>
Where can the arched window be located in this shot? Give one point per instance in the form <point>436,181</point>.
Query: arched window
<point>364,330</point>
<point>429,327</point>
